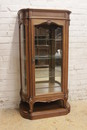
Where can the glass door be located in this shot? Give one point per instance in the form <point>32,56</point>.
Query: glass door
<point>48,58</point>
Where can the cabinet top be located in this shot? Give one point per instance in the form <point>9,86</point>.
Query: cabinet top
<point>43,13</point>
<point>46,10</point>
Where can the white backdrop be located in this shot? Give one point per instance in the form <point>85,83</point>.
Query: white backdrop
<point>9,47</point>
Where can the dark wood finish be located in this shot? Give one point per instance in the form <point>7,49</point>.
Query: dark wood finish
<point>34,106</point>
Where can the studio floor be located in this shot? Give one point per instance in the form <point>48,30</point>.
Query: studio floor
<point>10,119</point>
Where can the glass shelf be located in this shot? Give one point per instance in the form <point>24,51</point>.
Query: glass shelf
<point>47,57</point>
<point>46,88</point>
<point>48,39</point>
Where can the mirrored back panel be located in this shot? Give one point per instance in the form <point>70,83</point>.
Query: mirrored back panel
<point>48,58</point>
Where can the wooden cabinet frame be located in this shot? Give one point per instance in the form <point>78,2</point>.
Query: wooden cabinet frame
<point>30,18</point>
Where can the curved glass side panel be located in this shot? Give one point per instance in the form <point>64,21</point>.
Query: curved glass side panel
<point>23,58</point>
<point>48,58</point>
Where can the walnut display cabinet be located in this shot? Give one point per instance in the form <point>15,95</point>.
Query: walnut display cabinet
<point>43,44</point>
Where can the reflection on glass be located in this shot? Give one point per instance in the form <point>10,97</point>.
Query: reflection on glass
<point>48,58</point>
<point>23,59</point>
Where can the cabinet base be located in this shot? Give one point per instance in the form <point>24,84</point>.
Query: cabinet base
<point>43,112</point>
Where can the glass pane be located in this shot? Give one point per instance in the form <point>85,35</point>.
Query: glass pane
<point>23,59</point>
<point>48,58</point>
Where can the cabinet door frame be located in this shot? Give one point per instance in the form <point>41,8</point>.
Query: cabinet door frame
<point>64,65</point>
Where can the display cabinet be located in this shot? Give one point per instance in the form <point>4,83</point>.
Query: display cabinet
<point>43,46</point>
